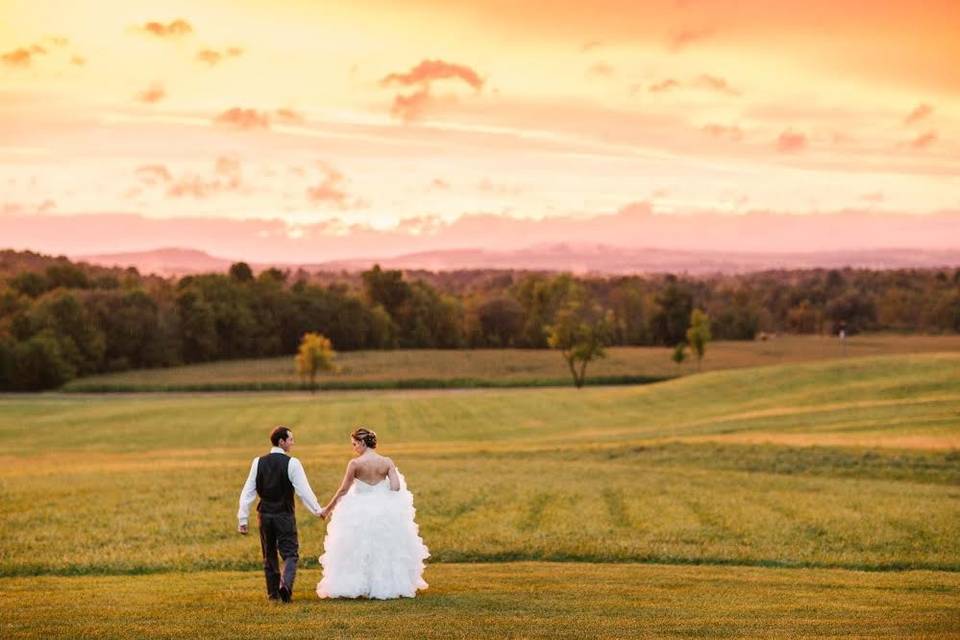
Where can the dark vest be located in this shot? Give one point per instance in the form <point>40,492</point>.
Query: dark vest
<point>273,484</point>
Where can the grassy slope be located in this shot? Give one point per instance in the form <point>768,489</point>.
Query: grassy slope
<point>518,600</point>
<point>614,474</point>
<point>513,366</point>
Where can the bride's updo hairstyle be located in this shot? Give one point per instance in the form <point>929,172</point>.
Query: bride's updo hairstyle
<point>366,436</point>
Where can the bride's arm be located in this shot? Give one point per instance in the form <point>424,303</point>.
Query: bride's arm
<point>344,487</point>
<point>394,478</point>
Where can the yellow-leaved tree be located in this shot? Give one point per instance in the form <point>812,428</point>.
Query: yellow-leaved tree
<point>315,354</point>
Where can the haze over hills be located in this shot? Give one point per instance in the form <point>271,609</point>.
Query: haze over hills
<point>595,258</point>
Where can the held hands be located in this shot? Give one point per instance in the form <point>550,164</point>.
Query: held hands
<point>323,514</point>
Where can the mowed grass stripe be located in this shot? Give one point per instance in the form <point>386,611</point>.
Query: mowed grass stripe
<point>520,365</point>
<point>109,485</point>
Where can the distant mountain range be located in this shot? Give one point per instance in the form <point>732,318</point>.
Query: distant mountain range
<point>601,259</point>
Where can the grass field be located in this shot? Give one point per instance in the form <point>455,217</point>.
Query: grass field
<point>516,600</point>
<point>506,366</point>
<point>803,500</point>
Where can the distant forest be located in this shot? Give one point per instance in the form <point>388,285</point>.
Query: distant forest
<point>60,320</point>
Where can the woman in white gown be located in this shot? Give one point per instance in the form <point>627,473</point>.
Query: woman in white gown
<point>373,548</point>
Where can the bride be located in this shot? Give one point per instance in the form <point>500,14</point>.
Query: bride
<point>372,548</point>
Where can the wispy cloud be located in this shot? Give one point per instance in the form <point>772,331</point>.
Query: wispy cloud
<point>724,131</point>
<point>704,82</point>
<point>683,38</point>
<point>213,57</point>
<point>791,142</point>
<point>174,29</point>
<point>244,118</point>
<point>921,112</point>
<point>154,93</point>
<point>924,140</point>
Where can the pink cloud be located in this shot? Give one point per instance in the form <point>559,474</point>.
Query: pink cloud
<point>430,70</point>
<point>410,107</point>
<point>632,226</point>
<point>924,140</point>
<point>244,118</point>
<point>921,112</point>
<point>330,188</point>
<point>155,93</point>
<point>791,142</point>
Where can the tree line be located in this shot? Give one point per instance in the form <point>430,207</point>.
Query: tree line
<point>60,319</point>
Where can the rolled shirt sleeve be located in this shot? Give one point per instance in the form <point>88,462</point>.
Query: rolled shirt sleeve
<point>298,478</point>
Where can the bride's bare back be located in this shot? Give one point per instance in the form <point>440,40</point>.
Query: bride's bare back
<point>373,468</point>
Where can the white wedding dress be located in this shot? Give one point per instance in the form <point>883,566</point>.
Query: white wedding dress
<point>373,548</point>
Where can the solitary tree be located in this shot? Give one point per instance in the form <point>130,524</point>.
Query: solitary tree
<point>698,335</point>
<point>580,332</point>
<point>679,353</point>
<point>315,354</point>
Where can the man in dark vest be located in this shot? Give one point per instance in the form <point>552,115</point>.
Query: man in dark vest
<point>275,477</point>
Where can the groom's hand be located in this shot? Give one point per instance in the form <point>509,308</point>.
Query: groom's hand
<point>242,529</point>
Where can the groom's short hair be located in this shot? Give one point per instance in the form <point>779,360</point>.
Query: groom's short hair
<point>278,434</point>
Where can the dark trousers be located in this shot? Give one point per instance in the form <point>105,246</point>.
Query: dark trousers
<point>278,532</point>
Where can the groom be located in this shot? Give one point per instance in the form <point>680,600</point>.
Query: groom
<point>275,477</point>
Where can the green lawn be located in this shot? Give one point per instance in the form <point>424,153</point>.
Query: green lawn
<point>745,502</point>
<point>513,366</point>
<point>516,600</point>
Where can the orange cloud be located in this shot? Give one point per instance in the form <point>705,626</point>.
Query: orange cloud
<point>430,70</point>
<point>214,57</point>
<point>790,142</point>
<point>682,39</point>
<point>921,112</point>
<point>155,93</point>
<point>78,60</point>
<point>244,118</point>
<point>411,106</point>
<point>174,29</point>
<point>924,140</point>
<point>21,57</point>
<point>723,131</point>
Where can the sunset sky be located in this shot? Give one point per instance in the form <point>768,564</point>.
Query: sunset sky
<point>277,129</point>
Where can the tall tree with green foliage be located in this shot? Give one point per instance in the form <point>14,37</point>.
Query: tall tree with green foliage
<point>698,335</point>
<point>315,354</point>
<point>581,332</point>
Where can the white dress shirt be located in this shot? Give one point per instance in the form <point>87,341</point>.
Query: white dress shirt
<point>298,478</point>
